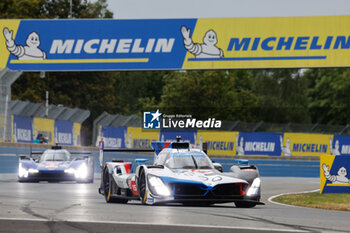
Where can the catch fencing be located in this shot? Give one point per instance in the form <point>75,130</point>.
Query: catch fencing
<point>27,120</point>
<point>234,138</point>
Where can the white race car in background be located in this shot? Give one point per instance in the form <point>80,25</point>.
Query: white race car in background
<point>179,175</point>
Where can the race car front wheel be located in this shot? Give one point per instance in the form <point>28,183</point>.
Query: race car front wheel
<point>142,187</point>
<point>108,189</point>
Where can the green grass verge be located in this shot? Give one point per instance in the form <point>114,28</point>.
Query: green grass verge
<point>329,201</point>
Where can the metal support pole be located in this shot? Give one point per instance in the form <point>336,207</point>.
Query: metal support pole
<point>286,127</point>
<point>313,127</point>
<point>7,77</point>
<point>47,104</point>
<point>258,126</point>
<point>5,119</point>
<point>235,124</point>
<point>343,130</point>
<point>70,9</point>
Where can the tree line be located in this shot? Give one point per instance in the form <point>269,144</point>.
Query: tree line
<point>278,95</point>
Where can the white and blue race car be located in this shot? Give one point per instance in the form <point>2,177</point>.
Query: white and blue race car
<point>56,164</point>
<point>179,175</point>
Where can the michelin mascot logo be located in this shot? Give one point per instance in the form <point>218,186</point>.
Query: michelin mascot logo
<point>29,52</point>
<point>206,50</point>
<point>285,149</point>
<point>335,149</point>
<point>240,146</point>
<point>340,178</point>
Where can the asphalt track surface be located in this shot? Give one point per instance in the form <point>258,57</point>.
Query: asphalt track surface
<point>71,207</point>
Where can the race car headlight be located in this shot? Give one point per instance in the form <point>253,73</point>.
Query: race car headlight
<point>81,172</point>
<point>70,171</point>
<point>31,170</point>
<point>157,186</point>
<point>22,171</point>
<point>254,188</point>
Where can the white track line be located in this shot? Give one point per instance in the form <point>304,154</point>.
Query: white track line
<point>156,224</point>
<point>282,204</point>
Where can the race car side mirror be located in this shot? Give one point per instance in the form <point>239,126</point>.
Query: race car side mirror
<point>218,167</point>
<point>205,147</point>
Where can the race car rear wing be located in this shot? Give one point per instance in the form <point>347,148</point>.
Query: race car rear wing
<point>157,148</point>
<point>102,150</point>
<point>36,154</point>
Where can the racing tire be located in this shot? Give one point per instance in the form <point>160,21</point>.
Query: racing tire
<point>108,187</point>
<point>142,187</point>
<point>243,204</point>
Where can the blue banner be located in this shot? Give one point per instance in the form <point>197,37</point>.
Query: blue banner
<point>171,134</point>
<point>197,43</point>
<point>340,145</point>
<point>98,44</point>
<point>22,129</point>
<point>259,144</point>
<point>63,132</point>
<point>114,137</point>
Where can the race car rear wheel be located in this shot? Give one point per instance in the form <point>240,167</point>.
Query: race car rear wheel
<point>243,204</point>
<point>108,189</point>
<point>142,186</point>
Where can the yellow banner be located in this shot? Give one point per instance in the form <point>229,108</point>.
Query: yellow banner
<point>45,127</point>
<point>219,142</point>
<point>8,29</point>
<point>76,134</point>
<point>300,144</point>
<point>326,163</point>
<point>140,138</point>
<point>268,42</point>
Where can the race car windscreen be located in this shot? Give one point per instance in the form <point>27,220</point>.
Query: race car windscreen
<point>55,156</point>
<point>189,161</point>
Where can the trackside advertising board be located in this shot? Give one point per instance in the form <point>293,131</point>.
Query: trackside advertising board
<point>22,129</point>
<point>63,132</point>
<point>76,134</point>
<point>300,144</point>
<point>340,145</point>
<point>218,142</point>
<point>113,137</point>
<point>259,144</point>
<point>140,139</point>
<point>26,129</point>
<point>154,44</point>
<point>45,127</point>
<point>335,174</point>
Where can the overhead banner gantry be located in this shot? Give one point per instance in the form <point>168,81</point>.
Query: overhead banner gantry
<point>175,44</point>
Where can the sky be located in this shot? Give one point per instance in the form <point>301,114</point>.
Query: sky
<point>146,9</point>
